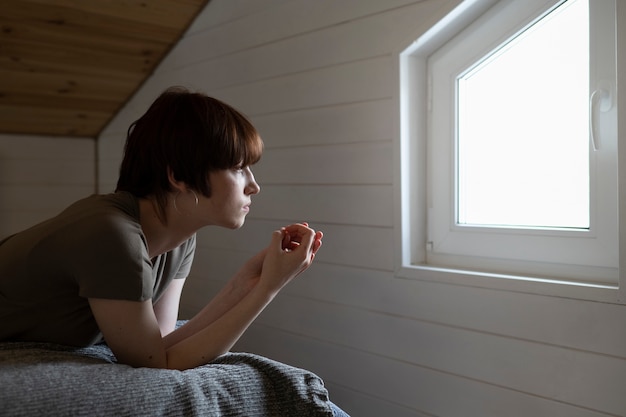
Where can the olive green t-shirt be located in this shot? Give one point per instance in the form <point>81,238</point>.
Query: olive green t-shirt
<point>93,249</point>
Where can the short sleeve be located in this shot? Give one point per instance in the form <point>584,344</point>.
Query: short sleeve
<point>112,262</point>
<point>175,264</point>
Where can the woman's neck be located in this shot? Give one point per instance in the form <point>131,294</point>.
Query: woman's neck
<point>161,237</point>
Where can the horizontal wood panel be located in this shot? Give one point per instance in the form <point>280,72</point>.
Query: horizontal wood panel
<point>24,206</point>
<point>108,173</point>
<point>337,325</point>
<point>269,26</point>
<point>364,164</point>
<point>422,389</point>
<point>370,121</point>
<point>199,290</point>
<point>524,366</point>
<point>40,176</point>
<point>221,13</point>
<point>34,147</point>
<point>349,83</point>
<point>347,205</point>
<point>358,404</point>
<point>111,146</point>
<point>364,38</point>
<point>520,316</point>
<point>45,172</point>
<point>253,236</point>
<point>587,326</point>
<point>367,247</point>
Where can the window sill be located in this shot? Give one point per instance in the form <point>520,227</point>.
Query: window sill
<point>514,283</point>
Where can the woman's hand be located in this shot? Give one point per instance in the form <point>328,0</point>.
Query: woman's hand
<point>290,252</point>
<point>291,239</point>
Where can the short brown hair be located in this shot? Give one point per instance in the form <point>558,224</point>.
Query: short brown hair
<point>190,134</point>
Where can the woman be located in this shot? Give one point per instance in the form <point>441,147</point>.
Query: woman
<point>113,266</point>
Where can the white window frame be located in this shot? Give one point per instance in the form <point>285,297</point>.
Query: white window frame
<point>411,188</point>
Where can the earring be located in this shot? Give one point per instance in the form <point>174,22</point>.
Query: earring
<point>175,206</point>
<point>195,196</point>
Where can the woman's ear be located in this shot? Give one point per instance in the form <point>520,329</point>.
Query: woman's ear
<point>176,185</point>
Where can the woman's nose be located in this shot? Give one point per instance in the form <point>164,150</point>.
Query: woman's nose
<point>253,187</point>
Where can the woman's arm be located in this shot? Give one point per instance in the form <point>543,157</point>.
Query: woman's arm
<point>132,329</point>
<point>232,293</point>
<point>166,309</point>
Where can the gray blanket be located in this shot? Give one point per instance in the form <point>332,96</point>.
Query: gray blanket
<point>38,379</point>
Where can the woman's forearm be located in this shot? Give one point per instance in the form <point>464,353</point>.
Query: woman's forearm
<point>227,298</point>
<point>219,336</point>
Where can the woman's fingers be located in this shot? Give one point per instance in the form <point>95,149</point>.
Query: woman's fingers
<point>286,239</point>
<point>298,234</point>
<point>295,235</point>
<point>318,240</point>
<point>291,251</point>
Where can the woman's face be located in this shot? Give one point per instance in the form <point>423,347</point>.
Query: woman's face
<point>231,193</point>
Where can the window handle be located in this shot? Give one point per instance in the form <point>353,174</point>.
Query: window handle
<point>604,97</point>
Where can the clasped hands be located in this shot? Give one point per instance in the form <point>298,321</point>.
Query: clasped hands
<point>295,235</point>
<point>290,252</point>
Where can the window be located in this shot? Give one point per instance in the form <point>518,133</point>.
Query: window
<point>509,143</point>
<point>522,123</point>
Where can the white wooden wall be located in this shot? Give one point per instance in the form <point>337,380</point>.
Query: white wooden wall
<point>40,176</point>
<point>319,79</point>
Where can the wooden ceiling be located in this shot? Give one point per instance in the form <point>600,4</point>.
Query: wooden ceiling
<point>67,66</point>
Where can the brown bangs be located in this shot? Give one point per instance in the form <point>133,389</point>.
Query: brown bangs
<point>244,145</point>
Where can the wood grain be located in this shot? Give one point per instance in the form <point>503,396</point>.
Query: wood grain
<point>67,66</point>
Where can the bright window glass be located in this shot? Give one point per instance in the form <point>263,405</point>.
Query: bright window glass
<point>522,132</point>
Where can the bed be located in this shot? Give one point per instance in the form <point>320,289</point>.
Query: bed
<point>44,379</point>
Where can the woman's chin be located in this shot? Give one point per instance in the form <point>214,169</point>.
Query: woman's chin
<point>237,224</point>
